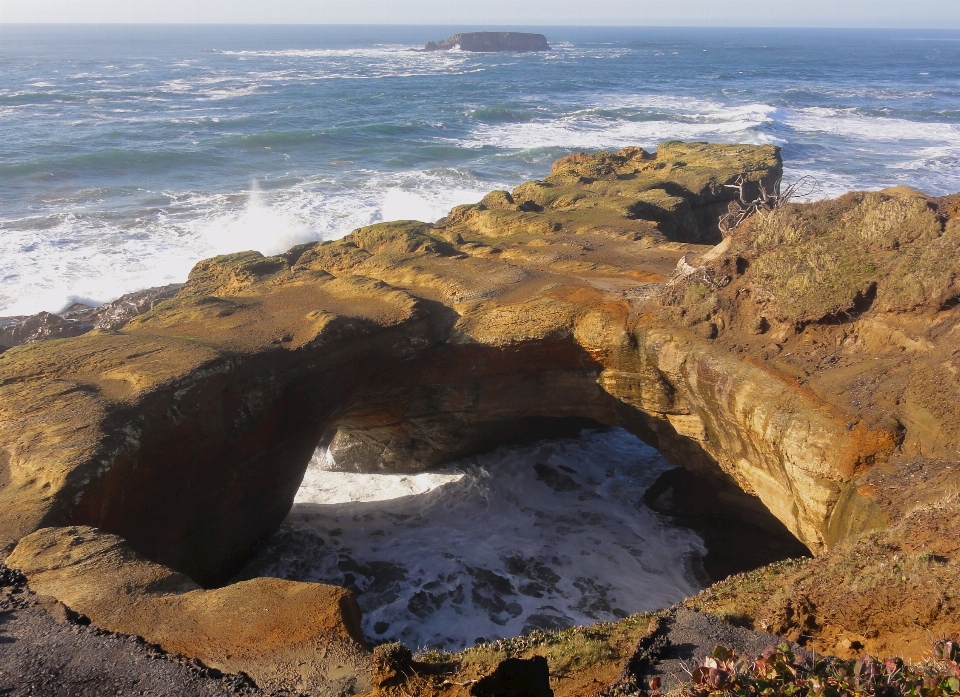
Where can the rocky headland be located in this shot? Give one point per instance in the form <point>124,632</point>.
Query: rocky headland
<point>491,42</point>
<point>805,366</point>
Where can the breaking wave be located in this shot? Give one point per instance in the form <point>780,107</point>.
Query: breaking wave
<point>142,164</point>
<point>50,261</point>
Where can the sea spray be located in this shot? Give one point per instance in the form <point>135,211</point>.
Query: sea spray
<point>126,155</point>
<point>260,227</point>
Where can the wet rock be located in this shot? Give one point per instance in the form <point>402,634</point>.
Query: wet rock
<point>376,583</point>
<point>491,42</point>
<point>424,604</point>
<point>542,579</point>
<point>15,331</point>
<point>79,319</point>
<point>117,313</point>
<point>490,592</point>
<point>554,479</point>
<point>595,601</point>
<point>546,622</point>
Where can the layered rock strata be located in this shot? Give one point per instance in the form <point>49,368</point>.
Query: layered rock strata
<point>187,432</point>
<point>558,304</point>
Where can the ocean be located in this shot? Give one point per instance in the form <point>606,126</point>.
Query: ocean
<point>128,153</point>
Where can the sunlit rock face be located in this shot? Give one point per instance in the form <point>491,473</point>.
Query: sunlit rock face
<point>189,430</point>
<point>287,636</point>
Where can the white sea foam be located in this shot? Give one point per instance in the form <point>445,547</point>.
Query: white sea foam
<point>651,120</point>
<point>426,205</point>
<point>849,124</point>
<point>368,63</point>
<point>49,262</point>
<point>325,487</point>
<point>923,154</point>
<point>541,536</point>
<point>259,227</point>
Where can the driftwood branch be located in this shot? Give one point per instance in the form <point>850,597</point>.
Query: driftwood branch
<point>779,196</point>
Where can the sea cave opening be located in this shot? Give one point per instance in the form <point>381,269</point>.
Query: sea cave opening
<point>546,535</point>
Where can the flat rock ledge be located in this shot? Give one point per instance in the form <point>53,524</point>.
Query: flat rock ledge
<point>298,637</point>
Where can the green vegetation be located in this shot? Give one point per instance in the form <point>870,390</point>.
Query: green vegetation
<point>739,599</point>
<point>780,672</point>
<point>566,651</point>
<point>821,259</point>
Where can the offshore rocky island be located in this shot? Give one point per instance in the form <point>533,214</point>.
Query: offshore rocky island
<point>491,42</point>
<point>804,366</point>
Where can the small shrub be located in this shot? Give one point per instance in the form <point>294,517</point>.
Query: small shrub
<point>392,658</point>
<point>778,671</point>
<point>566,650</point>
<point>820,260</point>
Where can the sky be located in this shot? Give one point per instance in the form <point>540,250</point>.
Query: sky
<point>934,14</point>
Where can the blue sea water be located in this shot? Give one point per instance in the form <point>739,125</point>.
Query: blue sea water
<point>127,153</point>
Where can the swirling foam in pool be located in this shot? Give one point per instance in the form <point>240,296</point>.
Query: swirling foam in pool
<point>536,537</point>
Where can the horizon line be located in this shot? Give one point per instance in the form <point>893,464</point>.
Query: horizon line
<point>466,24</point>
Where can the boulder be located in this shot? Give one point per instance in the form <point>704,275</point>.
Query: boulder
<point>302,637</point>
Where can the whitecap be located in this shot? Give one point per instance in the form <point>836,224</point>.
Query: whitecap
<point>47,260</point>
<point>850,125</point>
<point>690,120</point>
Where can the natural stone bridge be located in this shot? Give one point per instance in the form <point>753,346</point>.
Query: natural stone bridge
<point>405,345</point>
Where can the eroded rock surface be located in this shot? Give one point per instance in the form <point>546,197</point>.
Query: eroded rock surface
<point>300,637</point>
<point>404,345</point>
<point>187,432</point>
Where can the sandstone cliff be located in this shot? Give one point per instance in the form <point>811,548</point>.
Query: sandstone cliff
<point>802,364</point>
<point>187,432</point>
